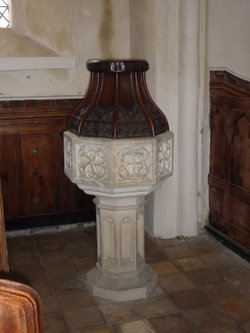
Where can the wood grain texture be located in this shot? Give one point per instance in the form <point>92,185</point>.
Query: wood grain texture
<point>31,159</point>
<point>229,177</point>
<point>20,308</point>
<point>4,266</point>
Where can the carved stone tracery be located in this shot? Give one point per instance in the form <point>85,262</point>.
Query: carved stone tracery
<point>133,163</point>
<point>164,158</point>
<point>92,162</point>
<point>68,155</point>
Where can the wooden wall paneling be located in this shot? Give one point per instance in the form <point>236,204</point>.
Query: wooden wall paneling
<point>31,159</point>
<point>229,176</point>
<point>4,264</point>
<point>11,173</point>
<point>216,202</point>
<point>36,175</point>
<point>238,226</point>
<point>241,148</point>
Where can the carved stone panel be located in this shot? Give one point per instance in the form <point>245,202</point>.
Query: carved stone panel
<point>93,162</point>
<point>165,158</point>
<point>68,151</point>
<point>110,166</point>
<point>134,163</point>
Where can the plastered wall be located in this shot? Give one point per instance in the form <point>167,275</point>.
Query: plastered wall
<point>83,29</point>
<point>228,35</point>
<point>154,27</point>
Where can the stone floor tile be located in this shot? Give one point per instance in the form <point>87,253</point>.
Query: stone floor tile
<point>61,269</point>
<point>156,306</point>
<point>77,299</point>
<point>218,260</point>
<point>231,329</point>
<point>244,288</point>
<point>209,318</point>
<point>163,267</point>
<point>54,323</point>
<point>153,253</point>
<point>176,282</point>
<point>221,291</point>
<point>189,299</point>
<point>27,260</point>
<point>236,273</point>
<point>179,252</point>
<point>174,323</point>
<point>21,246</point>
<point>51,258</point>
<point>50,304</point>
<point>85,265</point>
<point>190,264</point>
<point>77,237</point>
<point>91,232</point>
<point>31,273</point>
<point>204,247</point>
<point>116,313</point>
<point>139,326</point>
<point>19,242</point>
<point>46,238</point>
<point>204,276</point>
<point>238,310</point>
<point>83,252</point>
<point>44,287</point>
<point>68,284</point>
<point>51,238</point>
<point>50,247</point>
<point>166,243</point>
<point>95,330</point>
<point>75,244</point>
<point>246,327</point>
<point>84,318</point>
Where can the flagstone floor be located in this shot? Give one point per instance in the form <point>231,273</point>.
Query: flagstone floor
<point>203,287</point>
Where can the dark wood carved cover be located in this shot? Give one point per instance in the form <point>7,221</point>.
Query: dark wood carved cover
<point>229,178</point>
<point>117,103</point>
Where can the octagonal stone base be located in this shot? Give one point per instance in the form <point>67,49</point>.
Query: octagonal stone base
<point>124,286</point>
<point>119,173</point>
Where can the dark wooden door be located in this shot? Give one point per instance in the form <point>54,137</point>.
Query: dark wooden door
<point>229,178</point>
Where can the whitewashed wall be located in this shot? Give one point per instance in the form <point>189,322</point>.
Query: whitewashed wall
<point>171,36</point>
<point>228,35</point>
<point>81,29</point>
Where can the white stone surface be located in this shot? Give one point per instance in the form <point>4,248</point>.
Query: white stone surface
<point>172,36</point>
<point>138,326</point>
<point>119,173</point>
<point>110,167</point>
